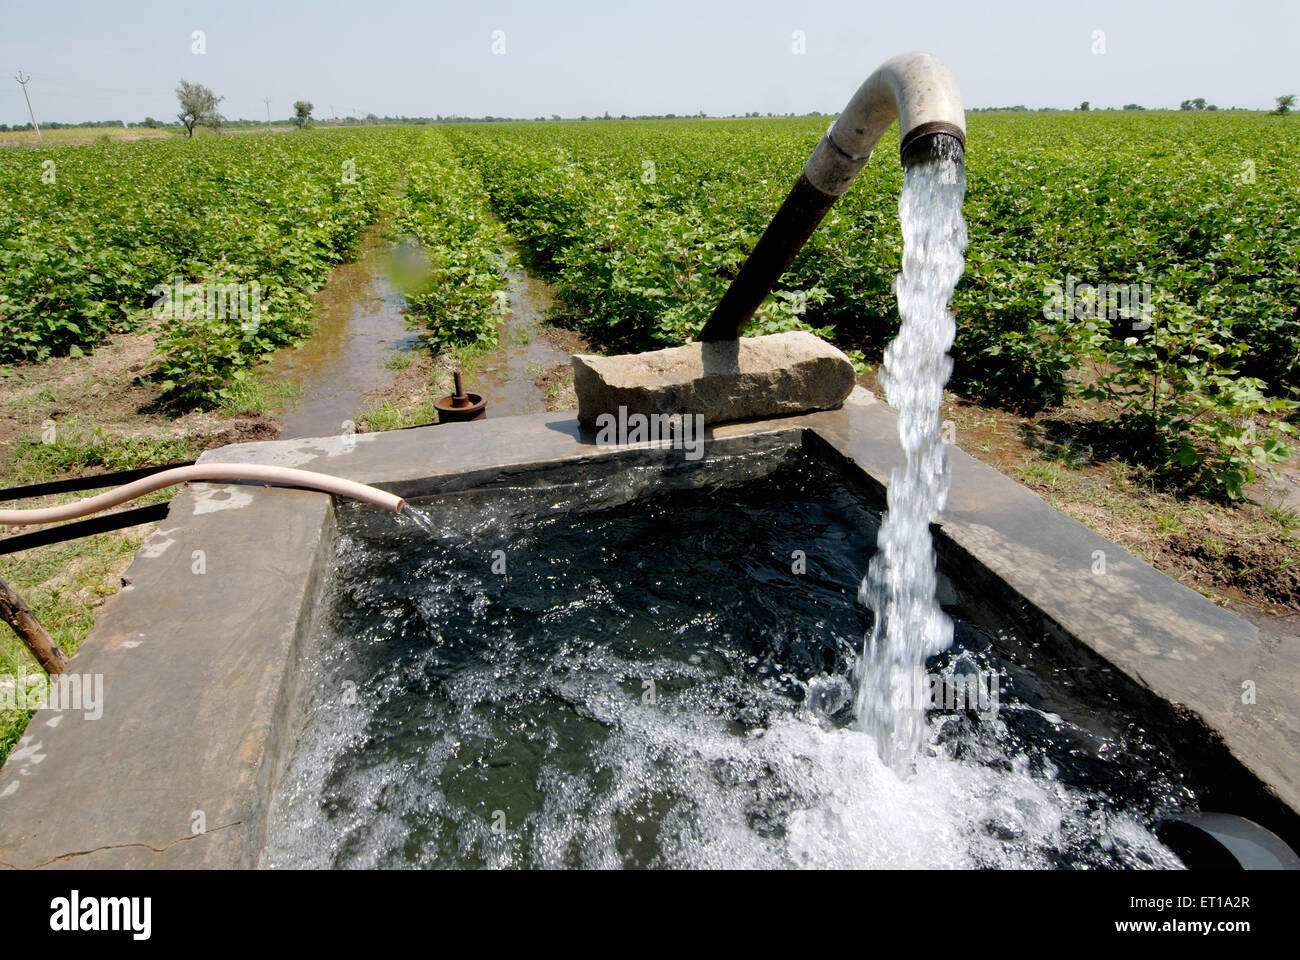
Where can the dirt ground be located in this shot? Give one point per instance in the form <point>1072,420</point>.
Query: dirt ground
<point>103,390</point>
<point>411,394</point>
<point>83,136</point>
<point>1236,554</point>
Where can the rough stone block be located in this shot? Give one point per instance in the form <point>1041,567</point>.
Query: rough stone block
<point>781,373</point>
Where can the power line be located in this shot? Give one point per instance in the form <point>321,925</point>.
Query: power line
<point>22,81</point>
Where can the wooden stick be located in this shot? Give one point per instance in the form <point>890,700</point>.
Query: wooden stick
<point>21,617</point>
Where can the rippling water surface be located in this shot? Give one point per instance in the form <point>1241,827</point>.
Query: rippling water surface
<point>589,674</point>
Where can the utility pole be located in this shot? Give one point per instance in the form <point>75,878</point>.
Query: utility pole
<point>267,101</point>
<point>32,113</point>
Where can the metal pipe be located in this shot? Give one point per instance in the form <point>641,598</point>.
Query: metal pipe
<point>1224,841</point>
<point>206,472</point>
<point>914,88</point>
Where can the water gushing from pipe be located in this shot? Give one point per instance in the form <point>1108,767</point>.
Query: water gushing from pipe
<point>910,625</point>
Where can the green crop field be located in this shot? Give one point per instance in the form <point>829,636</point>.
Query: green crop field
<point>641,225</point>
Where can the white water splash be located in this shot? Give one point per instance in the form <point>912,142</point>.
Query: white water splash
<point>666,785</point>
<point>900,583</point>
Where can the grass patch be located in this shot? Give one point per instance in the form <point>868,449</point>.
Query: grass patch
<point>556,388</point>
<point>388,416</point>
<point>466,358</point>
<point>1039,473</point>
<point>1284,517</point>
<point>68,452</point>
<point>400,360</point>
<point>255,395</point>
<point>44,395</point>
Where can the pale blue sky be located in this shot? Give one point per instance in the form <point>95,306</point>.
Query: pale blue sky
<point>120,59</point>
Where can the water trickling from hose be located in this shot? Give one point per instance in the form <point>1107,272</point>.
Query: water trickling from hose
<point>418,518</point>
<point>910,625</point>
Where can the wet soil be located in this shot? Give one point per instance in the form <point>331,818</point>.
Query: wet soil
<point>507,376</point>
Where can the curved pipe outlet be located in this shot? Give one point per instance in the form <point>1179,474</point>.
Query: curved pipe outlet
<point>914,88</point>
<point>207,472</point>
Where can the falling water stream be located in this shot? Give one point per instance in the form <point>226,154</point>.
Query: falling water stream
<point>899,587</point>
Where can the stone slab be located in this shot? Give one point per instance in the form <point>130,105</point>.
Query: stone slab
<point>774,375</point>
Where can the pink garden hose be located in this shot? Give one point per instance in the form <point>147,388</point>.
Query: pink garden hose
<point>209,472</point>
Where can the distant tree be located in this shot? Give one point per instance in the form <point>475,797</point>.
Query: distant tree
<point>302,112</point>
<point>1284,104</point>
<point>1134,106</point>
<point>198,107</point>
<point>1085,105</point>
<point>152,124</point>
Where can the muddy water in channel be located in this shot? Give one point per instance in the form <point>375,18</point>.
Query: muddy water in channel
<point>360,324</point>
<point>505,376</point>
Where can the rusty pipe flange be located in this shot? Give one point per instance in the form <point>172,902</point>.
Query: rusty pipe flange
<point>450,412</point>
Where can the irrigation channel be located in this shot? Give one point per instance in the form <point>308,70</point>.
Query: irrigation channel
<point>362,323</point>
<point>505,376</point>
